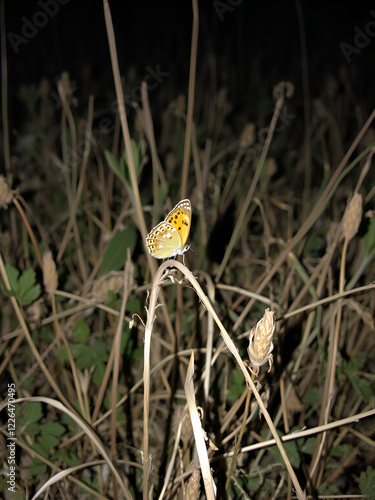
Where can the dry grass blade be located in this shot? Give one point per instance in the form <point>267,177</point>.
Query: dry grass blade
<point>200,443</point>
<point>91,434</point>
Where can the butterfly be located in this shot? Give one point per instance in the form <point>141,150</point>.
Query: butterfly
<point>169,237</point>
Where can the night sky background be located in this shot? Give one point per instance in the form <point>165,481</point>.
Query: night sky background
<point>254,46</point>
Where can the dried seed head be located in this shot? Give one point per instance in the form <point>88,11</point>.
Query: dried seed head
<point>6,194</point>
<point>113,281</point>
<point>353,216</point>
<point>187,429</point>
<point>260,341</point>
<point>194,488</point>
<point>49,273</point>
<point>35,312</point>
<point>247,136</point>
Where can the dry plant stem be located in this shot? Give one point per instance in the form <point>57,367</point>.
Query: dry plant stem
<point>239,439</point>
<point>67,114</point>
<point>70,183</point>
<point>328,395</point>
<point>124,124</point>
<point>32,346</point>
<point>60,334</point>
<point>29,230</point>
<point>315,213</point>
<point>72,223</point>
<point>54,468</point>
<point>191,94</point>
<point>239,224</point>
<point>129,152</point>
<point>232,348</point>
<point>198,433</point>
<point>149,129</point>
<point>90,433</point>
<point>331,298</point>
<point>210,336</point>
<point>172,460</point>
<point>117,344</point>
<point>199,181</point>
<point>144,116</point>
<point>305,433</point>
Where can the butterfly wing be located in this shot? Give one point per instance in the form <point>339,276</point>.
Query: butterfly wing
<point>180,218</point>
<point>164,241</point>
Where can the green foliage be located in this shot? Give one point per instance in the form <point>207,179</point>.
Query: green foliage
<point>290,448</point>
<point>360,384</point>
<point>121,167</point>
<point>362,387</point>
<point>313,395</point>
<point>33,414</point>
<point>23,287</point>
<point>369,239</point>
<point>38,467</point>
<point>341,451</point>
<point>81,331</point>
<point>238,385</point>
<point>87,356</point>
<point>306,446</point>
<point>330,489</point>
<point>46,436</point>
<point>116,253</point>
<point>367,483</point>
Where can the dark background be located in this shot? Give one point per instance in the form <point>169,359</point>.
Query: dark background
<point>254,45</point>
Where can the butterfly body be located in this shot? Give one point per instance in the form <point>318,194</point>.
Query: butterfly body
<point>168,238</point>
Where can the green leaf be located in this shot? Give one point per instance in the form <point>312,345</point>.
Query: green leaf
<point>30,295</point>
<point>49,442</point>
<point>138,152</point>
<point>341,450</point>
<point>367,483</point>
<point>33,429</point>
<point>369,239</point>
<point>13,274</point>
<point>23,287</point>
<point>118,167</point>
<point>33,412</point>
<point>71,459</point>
<point>76,350</point>
<point>362,387</point>
<point>98,374</point>
<point>312,395</point>
<point>308,446</point>
<point>115,255</point>
<point>133,304</point>
<point>237,377</point>
<point>291,450</point>
<point>234,392</point>
<point>38,467</point>
<point>27,279</point>
<point>138,353</point>
<point>53,428</point>
<point>39,448</point>
<point>238,386</point>
<point>81,331</point>
<point>352,365</point>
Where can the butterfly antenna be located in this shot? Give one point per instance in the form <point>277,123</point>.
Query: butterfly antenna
<point>194,252</point>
